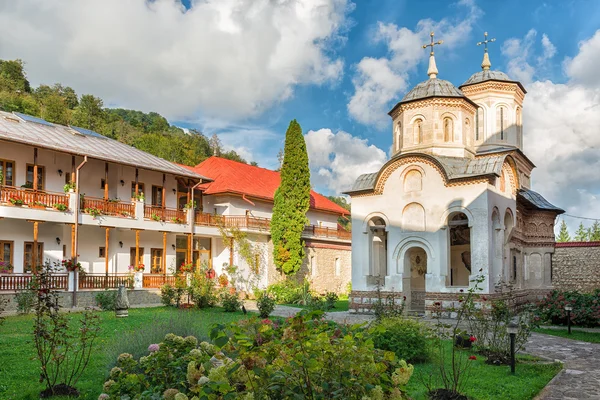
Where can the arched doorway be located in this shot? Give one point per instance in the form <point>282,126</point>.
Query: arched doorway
<point>415,268</point>
<point>460,249</point>
<point>377,250</point>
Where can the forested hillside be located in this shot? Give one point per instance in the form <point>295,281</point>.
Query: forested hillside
<point>60,104</point>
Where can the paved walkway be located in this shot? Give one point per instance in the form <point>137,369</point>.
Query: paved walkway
<point>580,379</point>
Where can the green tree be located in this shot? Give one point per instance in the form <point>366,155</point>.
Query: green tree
<point>54,109</point>
<point>341,201</point>
<point>89,113</point>
<point>292,200</point>
<point>581,235</point>
<point>594,232</point>
<point>563,234</point>
<point>12,77</point>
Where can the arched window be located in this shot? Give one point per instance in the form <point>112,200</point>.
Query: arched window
<point>479,124</point>
<point>502,122</point>
<point>418,131</point>
<point>460,249</point>
<point>448,129</point>
<point>468,130</point>
<point>413,181</point>
<point>399,136</point>
<point>377,248</point>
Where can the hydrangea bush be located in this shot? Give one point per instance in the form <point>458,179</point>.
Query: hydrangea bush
<point>303,357</point>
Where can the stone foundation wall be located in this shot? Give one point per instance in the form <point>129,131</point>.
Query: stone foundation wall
<point>363,302</point>
<point>576,266</point>
<point>88,298</point>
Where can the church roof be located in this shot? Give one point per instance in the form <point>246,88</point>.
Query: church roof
<point>432,87</point>
<point>454,168</point>
<point>536,200</point>
<point>489,75</point>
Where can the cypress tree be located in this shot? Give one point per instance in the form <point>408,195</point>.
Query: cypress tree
<point>291,202</point>
<point>563,234</point>
<point>581,235</point>
<point>594,235</point>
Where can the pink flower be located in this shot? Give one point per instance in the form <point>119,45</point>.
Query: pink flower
<point>153,348</point>
<point>472,358</point>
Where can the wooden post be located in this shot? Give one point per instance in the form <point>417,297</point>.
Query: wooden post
<point>231,253</point>
<point>162,196</point>
<point>137,249</point>
<point>72,241</point>
<point>72,169</point>
<point>137,183</point>
<point>105,181</point>
<point>35,247</point>
<point>35,174</point>
<point>164,254</point>
<point>189,252</point>
<point>106,258</point>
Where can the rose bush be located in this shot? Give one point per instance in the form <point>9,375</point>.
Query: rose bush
<point>586,308</point>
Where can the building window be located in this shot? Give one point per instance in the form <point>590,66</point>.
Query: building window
<point>468,130</point>
<point>313,266</point>
<point>40,176</point>
<point>157,193</point>
<point>28,255</point>
<point>68,178</point>
<point>102,252</point>
<point>6,252</point>
<point>140,189</point>
<point>418,131</point>
<point>102,183</point>
<point>514,268</point>
<point>378,248</point>
<point>448,129</point>
<point>156,261</point>
<point>132,256</point>
<point>338,266</point>
<point>460,249</point>
<point>501,121</point>
<point>399,136</point>
<point>7,169</point>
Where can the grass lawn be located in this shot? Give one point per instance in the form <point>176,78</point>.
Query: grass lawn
<point>491,382</point>
<point>591,337</point>
<point>340,305</point>
<point>19,368</point>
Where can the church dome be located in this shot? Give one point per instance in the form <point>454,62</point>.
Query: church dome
<point>432,88</point>
<point>487,75</point>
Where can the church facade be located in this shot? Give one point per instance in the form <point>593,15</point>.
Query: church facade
<point>454,201</point>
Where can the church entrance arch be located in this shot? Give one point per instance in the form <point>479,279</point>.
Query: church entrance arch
<point>415,268</point>
<point>459,243</point>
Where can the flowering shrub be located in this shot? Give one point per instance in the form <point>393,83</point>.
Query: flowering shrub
<point>223,280</point>
<point>140,268</point>
<point>265,304</point>
<point>16,200</point>
<point>202,290</point>
<point>230,301</point>
<point>586,308</point>
<point>70,265</point>
<point>6,267</point>
<point>253,359</point>
<point>186,268</point>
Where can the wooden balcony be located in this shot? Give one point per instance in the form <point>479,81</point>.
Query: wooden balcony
<point>155,281</point>
<point>15,196</point>
<point>103,281</point>
<point>165,214</point>
<point>114,208</point>
<point>12,282</point>
<point>331,233</point>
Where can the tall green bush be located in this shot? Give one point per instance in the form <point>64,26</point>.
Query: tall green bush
<point>291,202</point>
<point>409,339</point>
<point>586,308</point>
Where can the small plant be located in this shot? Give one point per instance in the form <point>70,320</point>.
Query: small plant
<point>139,196</point>
<point>223,280</point>
<point>190,204</point>
<point>125,214</point>
<point>39,204</point>
<point>27,185</point>
<point>230,301</point>
<point>177,220</point>
<point>167,294</point>
<point>71,266</point>
<point>93,211</point>
<point>16,200</point>
<point>114,200</point>
<point>60,207</point>
<point>69,187</point>
<point>330,299</point>
<point>6,267</point>
<point>155,217</point>
<point>265,304</point>
<point>106,300</point>
<point>139,268</point>
<point>186,268</point>
<point>409,339</point>
<point>25,298</point>
<point>202,290</point>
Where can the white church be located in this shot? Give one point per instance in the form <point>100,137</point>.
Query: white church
<point>454,201</point>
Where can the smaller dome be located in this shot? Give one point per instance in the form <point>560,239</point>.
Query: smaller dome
<point>487,75</point>
<point>432,88</point>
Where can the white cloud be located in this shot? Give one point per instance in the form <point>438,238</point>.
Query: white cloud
<point>520,53</point>
<point>224,58</point>
<point>338,158</point>
<point>379,81</point>
<point>583,68</point>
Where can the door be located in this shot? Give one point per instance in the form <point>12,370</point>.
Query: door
<point>132,256</point>
<point>156,266</point>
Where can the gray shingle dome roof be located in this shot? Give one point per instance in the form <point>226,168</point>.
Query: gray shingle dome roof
<point>432,88</point>
<point>487,75</point>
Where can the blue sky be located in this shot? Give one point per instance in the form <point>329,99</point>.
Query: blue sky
<point>244,68</point>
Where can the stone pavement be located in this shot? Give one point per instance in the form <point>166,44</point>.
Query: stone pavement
<point>580,378</point>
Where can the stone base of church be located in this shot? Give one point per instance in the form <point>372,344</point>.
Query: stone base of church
<point>363,302</point>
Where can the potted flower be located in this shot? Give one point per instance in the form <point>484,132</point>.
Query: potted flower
<point>155,217</point>
<point>6,267</point>
<point>138,197</point>
<point>38,204</point>
<point>190,204</point>
<point>71,266</point>
<point>16,200</point>
<point>177,220</point>
<point>93,211</point>
<point>60,207</point>
<point>69,187</point>
<point>186,268</point>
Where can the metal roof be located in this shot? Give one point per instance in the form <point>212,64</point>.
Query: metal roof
<point>83,142</point>
<point>432,88</point>
<point>489,75</point>
<point>365,182</point>
<point>537,201</point>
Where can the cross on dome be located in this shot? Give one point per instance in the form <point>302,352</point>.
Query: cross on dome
<point>486,64</point>
<point>432,71</point>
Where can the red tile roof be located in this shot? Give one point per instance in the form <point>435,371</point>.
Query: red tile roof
<point>578,244</point>
<point>238,178</point>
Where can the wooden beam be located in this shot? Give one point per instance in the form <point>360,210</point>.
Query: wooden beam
<point>137,183</point>
<point>137,249</point>
<point>189,249</point>
<point>106,251</point>
<point>164,254</point>
<point>105,181</point>
<point>231,252</point>
<point>35,247</point>
<point>72,169</point>
<point>163,191</point>
<point>35,168</point>
<point>72,241</point>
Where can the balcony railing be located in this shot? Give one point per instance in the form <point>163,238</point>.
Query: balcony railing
<point>153,281</point>
<point>115,208</point>
<point>318,231</point>
<point>11,282</point>
<point>32,198</point>
<point>165,214</point>
<point>103,281</point>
